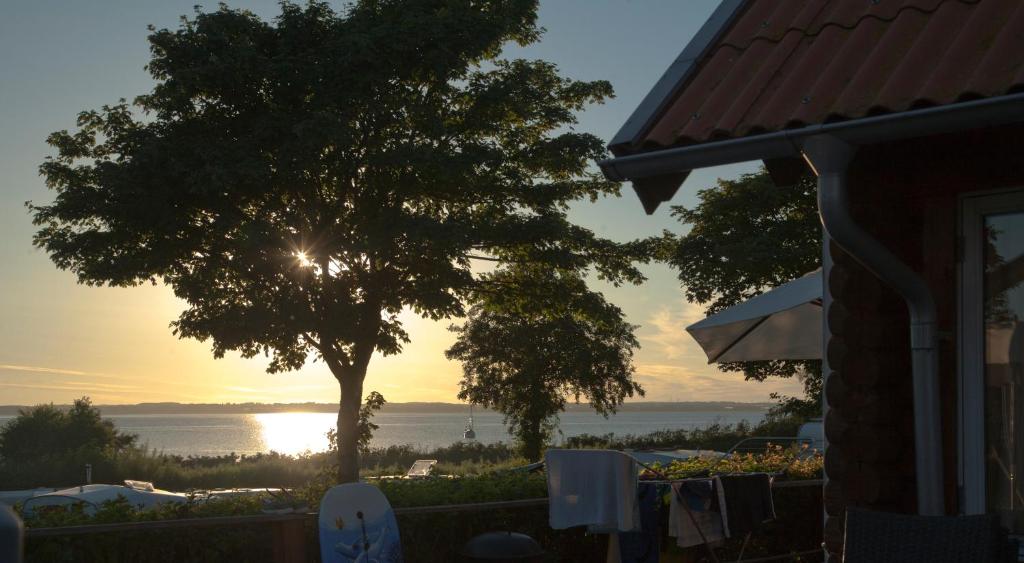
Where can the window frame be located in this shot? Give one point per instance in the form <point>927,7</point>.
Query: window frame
<point>974,208</point>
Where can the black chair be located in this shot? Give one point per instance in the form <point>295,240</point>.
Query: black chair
<point>883,537</point>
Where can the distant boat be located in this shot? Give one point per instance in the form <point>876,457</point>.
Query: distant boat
<point>469,433</point>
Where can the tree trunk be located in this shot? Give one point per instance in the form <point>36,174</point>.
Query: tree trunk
<point>350,375</point>
<point>351,383</point>
<point>532,440</point>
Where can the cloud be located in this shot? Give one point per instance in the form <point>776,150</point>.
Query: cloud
<point>54,371</point>
<point>667,382</point>
<point>74,386</point>
<point>665,334</point>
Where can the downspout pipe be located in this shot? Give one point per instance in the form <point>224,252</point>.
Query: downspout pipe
<point>830,157</point>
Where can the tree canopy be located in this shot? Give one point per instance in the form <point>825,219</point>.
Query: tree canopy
<point>300,182</point>
<point>527,358</point>
<point>747,236</point>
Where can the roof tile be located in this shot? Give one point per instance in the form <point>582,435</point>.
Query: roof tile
<point>801,62</point>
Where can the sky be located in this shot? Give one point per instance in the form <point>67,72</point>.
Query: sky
<point>60,340</point>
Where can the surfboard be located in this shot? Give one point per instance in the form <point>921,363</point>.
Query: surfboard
<point>357,525</point>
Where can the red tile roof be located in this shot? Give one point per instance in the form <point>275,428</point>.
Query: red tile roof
<point>792,63</point>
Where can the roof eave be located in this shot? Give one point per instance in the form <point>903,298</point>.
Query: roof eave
<point>976,114</point>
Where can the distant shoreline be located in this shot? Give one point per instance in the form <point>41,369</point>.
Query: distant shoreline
<point>417,407</point>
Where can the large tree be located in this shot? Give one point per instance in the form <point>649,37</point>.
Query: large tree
<point>526,357</point>
<point>747,236</point>
<point>300,182</point>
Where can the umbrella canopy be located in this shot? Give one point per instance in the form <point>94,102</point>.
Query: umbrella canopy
<point>781,324</point>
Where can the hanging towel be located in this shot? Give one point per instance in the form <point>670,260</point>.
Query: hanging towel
<point>594,488</point>
<point>748,501</point>
<point>703,498</point>
<point>642,546</point>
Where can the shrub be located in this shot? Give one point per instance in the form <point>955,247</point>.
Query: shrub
<point>793,462</point>
<point>46,432</point>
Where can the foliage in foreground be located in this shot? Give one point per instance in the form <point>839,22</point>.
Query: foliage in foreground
<point>426,538</point>
<point>432,491</point>
<point>791,463</point>
<point>120,510</point>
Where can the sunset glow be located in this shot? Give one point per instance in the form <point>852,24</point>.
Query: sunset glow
<point>294,433</point>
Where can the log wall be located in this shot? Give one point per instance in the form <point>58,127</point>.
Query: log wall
<point>907,195</point>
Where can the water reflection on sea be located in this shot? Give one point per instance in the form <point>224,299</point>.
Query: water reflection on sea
<point>296,432</point>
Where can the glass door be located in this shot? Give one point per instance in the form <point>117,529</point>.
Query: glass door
<point>992,353</point>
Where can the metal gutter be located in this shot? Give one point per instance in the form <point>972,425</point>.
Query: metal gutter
<point>677,74</point>
<point>975,114</point>
<point>829,157</point>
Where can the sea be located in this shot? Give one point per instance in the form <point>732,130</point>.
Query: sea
<point>299,432</point>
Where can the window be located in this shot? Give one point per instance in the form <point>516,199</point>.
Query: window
<point>992,357</point>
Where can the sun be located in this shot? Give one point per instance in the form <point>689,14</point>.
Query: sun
<point>303,259</point>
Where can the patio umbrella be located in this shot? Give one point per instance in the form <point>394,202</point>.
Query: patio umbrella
<point>781,324</point>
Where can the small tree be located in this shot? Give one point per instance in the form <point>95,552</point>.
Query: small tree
<point>526,354</point>
<point>747,236</point>
<point>300,183</point>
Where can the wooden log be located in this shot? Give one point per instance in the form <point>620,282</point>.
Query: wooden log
<point>836,427</point>
<point>836,351</point>
<point>837,391</point>
<point>865,326</point>
<point>873,443</point>
<point>854,285</point>
<point>872,485</point>
<point>834,461</point>
<point>860,368</point>
<point>883,369</point>
<point>878,410</point>
<point>839,318</point>
<point>834,498</point>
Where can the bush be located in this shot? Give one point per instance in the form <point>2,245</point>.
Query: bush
<point>237,543</point>
<point>45,435</point>
<point>45,431</point>
<point>717,437</point>
<point>793,463</point>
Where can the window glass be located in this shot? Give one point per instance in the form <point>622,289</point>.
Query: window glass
<point>1004,367</point>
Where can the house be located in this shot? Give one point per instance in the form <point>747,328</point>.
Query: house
<point>911,114</point>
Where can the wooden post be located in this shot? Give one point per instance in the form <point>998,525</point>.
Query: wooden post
<point>289,541</point>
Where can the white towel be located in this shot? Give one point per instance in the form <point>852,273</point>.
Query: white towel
<point>595,488</point>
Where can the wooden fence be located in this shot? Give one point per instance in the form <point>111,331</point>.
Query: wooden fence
<point>289,537</point>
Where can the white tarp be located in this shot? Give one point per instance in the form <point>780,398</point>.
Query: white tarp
<point>95,495</point>
<point>781,324</point>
